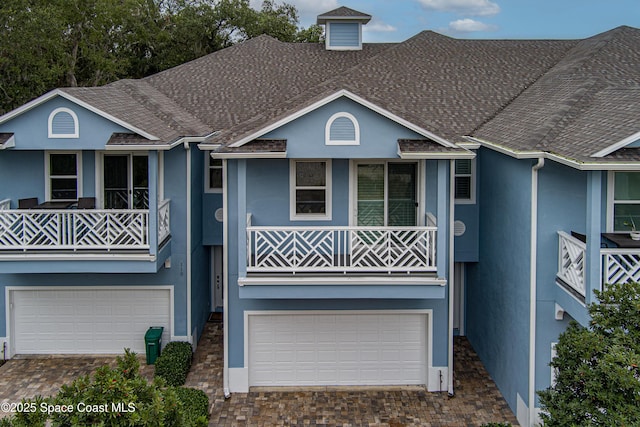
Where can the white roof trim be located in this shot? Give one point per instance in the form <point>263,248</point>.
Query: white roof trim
<point>158,147</point>
<point>250,155</point>
<point>628,166</point>
<point>332,98</point>
<point>618,145</point>
<point>58,92</point>
<point>10,143</point>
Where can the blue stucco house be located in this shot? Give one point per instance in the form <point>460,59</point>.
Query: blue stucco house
<point>348,207</point>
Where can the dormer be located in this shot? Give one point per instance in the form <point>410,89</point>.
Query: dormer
<point>343,28</point>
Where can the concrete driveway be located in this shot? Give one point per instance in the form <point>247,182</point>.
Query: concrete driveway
<point>477,399</point>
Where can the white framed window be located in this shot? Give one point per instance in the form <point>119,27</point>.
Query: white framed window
<point>342,129</point>
<point>63,123</point>
<point>63,175</point>
<point>310,189</point>
<point>213,174</point>
<point>465,181</point>
<point>624,201</point>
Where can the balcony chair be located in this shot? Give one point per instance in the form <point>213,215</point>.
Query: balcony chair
<point>27,203</point>
<point>86,203</point>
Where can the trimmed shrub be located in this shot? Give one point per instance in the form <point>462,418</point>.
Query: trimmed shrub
<point>195,406</point>
<point>174,363</point>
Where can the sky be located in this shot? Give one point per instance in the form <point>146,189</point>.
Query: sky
<point>398,20</point>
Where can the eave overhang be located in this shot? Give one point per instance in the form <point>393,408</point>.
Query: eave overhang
<point>534,154</point>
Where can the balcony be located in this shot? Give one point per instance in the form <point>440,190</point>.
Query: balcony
<point>618,265</point>
<point>36,232</point>
<point>341,250</point>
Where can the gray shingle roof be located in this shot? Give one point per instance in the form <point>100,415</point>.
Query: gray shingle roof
<point>128,139</point>
<point>343,13</point>
<point>427,146</point>
<point>585,103</point>
<point>257,146</point>
<point>4,138</point>
<point>572,98</point>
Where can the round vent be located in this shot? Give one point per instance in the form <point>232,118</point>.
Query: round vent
<point>459,228</point>
<point>219,215</point>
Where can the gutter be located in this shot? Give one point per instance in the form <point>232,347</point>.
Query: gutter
<point>225,280</point>
<point>533,289</point>
<point>621,166</point>
<point>188,151</point>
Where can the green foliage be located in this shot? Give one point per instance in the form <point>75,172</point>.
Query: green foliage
<point>128,365</point>
<point>174,363</point>
<point>195,405</point>
<point>48,44</point>
<point>111,397</point>
<point>496,425</point>
<point>598,375</point>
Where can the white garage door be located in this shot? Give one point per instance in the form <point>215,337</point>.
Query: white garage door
<point>86,321</point>
<point>337,349</point>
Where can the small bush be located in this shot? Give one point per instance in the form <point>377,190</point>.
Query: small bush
<point>195,406</point>
<point>174,363</point>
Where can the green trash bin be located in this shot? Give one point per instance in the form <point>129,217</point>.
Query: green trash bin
<point>153,341</point>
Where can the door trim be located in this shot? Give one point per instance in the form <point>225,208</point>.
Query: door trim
<point>420,187</point>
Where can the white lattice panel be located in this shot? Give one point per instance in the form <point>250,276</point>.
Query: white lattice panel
<point>318,249</point>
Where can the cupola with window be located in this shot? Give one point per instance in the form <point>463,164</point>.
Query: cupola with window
<point>343,28</point>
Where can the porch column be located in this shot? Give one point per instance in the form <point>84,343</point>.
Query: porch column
<point>153,202</point>
<point>442,244</point>
<point>594,221</point>
<point>242,218</point>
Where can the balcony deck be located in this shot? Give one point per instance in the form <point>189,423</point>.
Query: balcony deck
<point>618,265</point>
<point>278,253</point>
<point>38,233</point>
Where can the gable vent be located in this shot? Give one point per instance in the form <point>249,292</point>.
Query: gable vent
<point>342,129</point>
<point>63,123</point>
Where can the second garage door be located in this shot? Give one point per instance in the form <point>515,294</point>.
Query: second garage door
<point>337,349</point>
<point>85,321</point>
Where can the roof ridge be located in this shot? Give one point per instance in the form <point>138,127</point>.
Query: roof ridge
<point>162,106</point>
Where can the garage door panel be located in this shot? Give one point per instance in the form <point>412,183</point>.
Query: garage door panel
<point>77,321</point>
<point>337,349</point>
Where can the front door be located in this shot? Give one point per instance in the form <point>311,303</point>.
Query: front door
<point>126,181</point>
<point>386,194</point>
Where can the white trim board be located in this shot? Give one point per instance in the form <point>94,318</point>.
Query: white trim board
<point>331,98</point>
<point>618,145</point>
<point>620,166</point>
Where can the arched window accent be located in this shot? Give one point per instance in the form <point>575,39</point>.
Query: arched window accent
<point>63,123</point>
<point>342,129</point>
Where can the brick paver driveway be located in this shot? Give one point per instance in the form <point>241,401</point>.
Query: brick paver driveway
<point>477,399</point>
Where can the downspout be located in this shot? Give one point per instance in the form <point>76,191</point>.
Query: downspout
<point>451,273</point>
<point>225,280</point>
<point>533,289</point>
<point>187,147</point>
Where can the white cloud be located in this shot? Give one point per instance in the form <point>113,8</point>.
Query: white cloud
<point>470,26</point>
<point>464,7</point>
<point>379,27</point>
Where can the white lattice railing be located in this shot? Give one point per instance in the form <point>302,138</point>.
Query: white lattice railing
<point>341,249</point>
<point>620,265</point>
<point>164,220</point>
<point>5,204</point>
<point>68,229</point>
<point>571,262</point>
